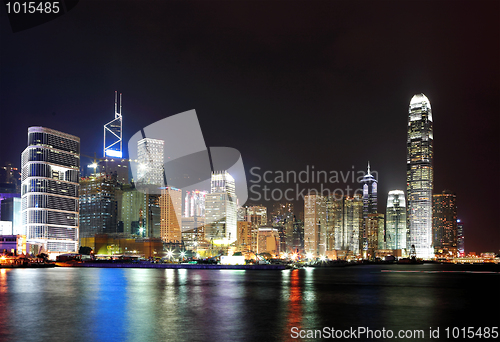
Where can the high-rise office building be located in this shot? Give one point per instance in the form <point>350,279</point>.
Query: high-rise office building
<point>280,211</point>
<point>444,217</point>
<point>132,211</point>
<point>221,209</point>
<point>11,212</point>
<point>315,224</point>
<point>10,177</point>
<point>50,175</point>
<point>98,205</point>
<point>345,224</point>
<point>298,236</point>
<point>117,167</point>
<point>419,177</point>
<point>353,224</point>
<point>193,222</point>
<point>152,216</point>
<point>369,202</point>
<point>460,238</point>
<point>257,216</point>
<point>395,221</point>
<point>113,133</point>
<point>268,241</point>
<point>194,203</point>
<point>369,193</point>
<point>244,237</point>
<point>335,222</point>
<point>150,162</point>
<point>374,224</point>
<point>171,209</point>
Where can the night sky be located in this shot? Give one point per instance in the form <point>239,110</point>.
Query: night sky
<point>287,83</point>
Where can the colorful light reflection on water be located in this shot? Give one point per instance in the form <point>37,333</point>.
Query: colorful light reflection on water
<point>73,304</point>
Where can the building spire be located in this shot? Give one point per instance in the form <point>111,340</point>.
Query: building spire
<point>369,168</point>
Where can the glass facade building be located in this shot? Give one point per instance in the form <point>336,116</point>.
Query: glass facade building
<point>171,211</point>
<point>99,205</point>
<point>444,217</point>
<point>344,224</point>
<point>315,224</point>
<point>221,209</point>
<point>50,188</point>
<point>395,220</point>
<point>369,202</point>
<point>419,177</point>
<point>150,163</point>
<point>113,133</point>
<point>194,203</point>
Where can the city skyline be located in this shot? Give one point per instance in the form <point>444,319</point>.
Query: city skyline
<point>283,109</point>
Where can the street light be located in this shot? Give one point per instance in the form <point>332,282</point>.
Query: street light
<point>170,254</point>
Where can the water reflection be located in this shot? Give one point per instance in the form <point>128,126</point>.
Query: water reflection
<point>294,305</point>
<point>4,305</point>
<point>72,304</point>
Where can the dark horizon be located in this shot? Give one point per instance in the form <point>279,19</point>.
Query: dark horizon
<point>287,84</point>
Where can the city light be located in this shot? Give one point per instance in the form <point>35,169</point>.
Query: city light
<point>170,253</point>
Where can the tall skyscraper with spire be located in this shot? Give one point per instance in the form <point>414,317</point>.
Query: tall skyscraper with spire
<point>113,133</point>
<point>369,193</point>
<point>369,203</point>
<point>419,177</point>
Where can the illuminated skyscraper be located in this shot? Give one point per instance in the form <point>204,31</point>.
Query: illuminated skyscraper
<point>315,224</point>
<point>171,209</point>
<point>50,174</point>
<point>257,215</point>
<point>395,220</point>
<point>345,224</point>
<point>113,133</point>
<point>98,205</point>
<point>268,241</point>
<point>460,238</point>
<point>221,209</point>
<point>194,203</point>
<point>444,217</point>
<point>353,224</point>
<point>150,162</point>
<point>132,211</point>
<point>369,202</point>
<point>419,177</point>
<point>245,239</point>
<point>369,193</point>
<point>374,226</point>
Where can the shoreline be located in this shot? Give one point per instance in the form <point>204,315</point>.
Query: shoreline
<point>173,266</point>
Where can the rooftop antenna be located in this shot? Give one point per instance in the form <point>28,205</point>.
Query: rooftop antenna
<point>113,132</point>
<point>118,114</point>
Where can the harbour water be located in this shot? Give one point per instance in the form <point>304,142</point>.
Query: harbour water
<point>97,304</point>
